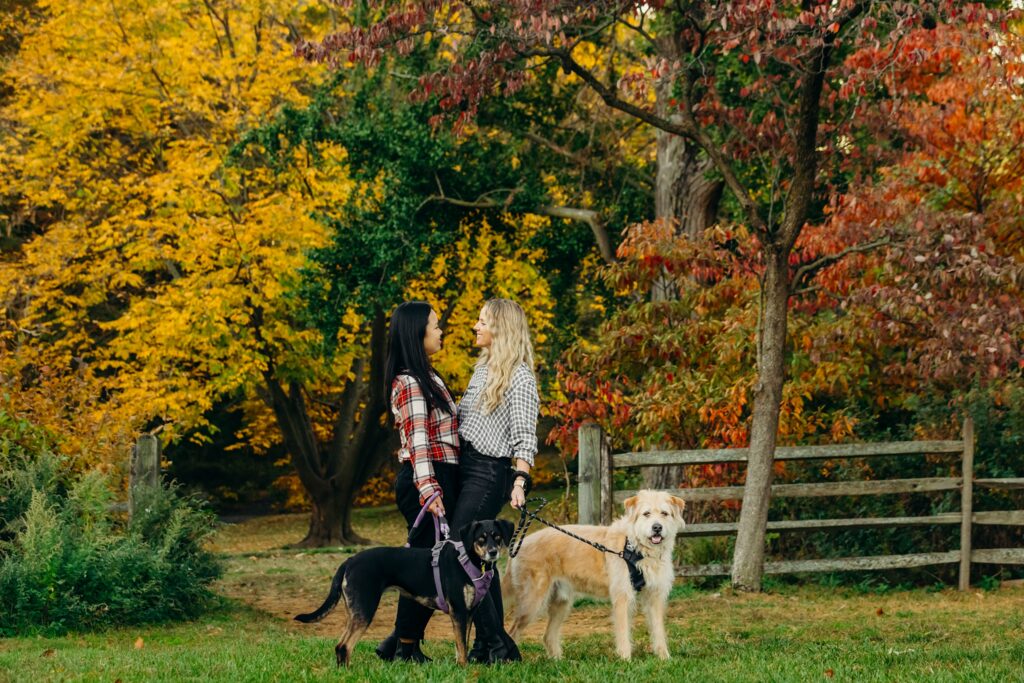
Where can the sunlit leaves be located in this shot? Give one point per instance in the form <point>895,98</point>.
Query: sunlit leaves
<point>159,277</point>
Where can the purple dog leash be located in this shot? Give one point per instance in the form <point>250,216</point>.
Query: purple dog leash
<point>440,527</point>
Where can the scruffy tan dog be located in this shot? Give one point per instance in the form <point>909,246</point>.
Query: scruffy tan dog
<point>551,568</point>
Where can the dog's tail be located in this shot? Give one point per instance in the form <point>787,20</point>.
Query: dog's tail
<point>330,602</point>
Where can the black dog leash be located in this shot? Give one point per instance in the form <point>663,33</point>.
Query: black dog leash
<point>629,554</point>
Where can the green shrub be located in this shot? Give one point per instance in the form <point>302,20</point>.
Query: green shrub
<point>67,563</point>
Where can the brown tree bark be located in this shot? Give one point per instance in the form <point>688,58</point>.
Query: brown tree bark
<point>748,556</point>
<point>685,195</point>
<point>332,472</point>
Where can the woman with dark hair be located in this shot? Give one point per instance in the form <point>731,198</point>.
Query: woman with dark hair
<point>425,417</point>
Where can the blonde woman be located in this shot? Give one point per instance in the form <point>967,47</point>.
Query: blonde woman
<point>498,434</point>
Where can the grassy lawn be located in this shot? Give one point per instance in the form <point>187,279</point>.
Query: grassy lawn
<point>792,635</point>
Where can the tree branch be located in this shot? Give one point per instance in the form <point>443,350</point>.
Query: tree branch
<point>588,216</point>
<point>688,128</point>
<point>809,270</point>
<point>581,160</point>
<point>591,218</point>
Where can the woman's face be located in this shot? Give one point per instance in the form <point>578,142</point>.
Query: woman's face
<point>432,335</point>
<point>483,331</point>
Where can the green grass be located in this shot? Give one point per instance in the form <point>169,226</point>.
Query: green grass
<point>795,634</point>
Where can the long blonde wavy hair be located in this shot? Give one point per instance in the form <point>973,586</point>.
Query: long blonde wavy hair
<point>510,346</point>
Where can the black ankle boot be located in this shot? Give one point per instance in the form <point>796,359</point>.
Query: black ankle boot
<point>387,648</point>
<point>494,650</point>
<point>478,653</point>
<point>411,652</point>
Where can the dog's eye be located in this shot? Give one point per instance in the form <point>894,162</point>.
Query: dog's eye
<point>664,514</point>
<point>647,513</point>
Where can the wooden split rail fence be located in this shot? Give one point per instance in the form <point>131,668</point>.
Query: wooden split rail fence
<point>597,499</point>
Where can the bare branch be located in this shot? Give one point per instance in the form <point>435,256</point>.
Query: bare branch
<point>809,270</point>
<point>588,216</point>
<point>591,218</point>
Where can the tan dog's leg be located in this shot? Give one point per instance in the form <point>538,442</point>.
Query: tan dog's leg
<point>559,606</point>
<point>461,628</point>
<point>354,630</point>
<point>620,624</point>
<point>655,613</point>
<point>528,602</point>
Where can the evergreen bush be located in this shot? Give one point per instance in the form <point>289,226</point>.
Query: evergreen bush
<point>68,563</point>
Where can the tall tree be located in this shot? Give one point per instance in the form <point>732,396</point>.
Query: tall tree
<point>121,116</point>
<point>401,231</point>
<point>158,262</point>
<point>756,89</point>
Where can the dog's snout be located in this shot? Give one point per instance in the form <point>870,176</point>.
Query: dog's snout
<point>656,527</point>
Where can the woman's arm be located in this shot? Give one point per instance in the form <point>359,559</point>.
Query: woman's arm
<point>411,407</point>
<point>518,498</point>
<point>524,405</point>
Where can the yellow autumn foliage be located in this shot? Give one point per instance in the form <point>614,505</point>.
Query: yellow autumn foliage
<point>483,261</point>
<point>157,283</point>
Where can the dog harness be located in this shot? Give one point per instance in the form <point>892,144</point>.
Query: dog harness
<point>481,580</point>
<point>442,537</point>
<point>632,558</point>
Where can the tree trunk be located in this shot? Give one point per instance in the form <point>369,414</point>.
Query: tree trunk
<point>332,473</point>
<point>684,194</point>
<point>748,557</point>
<point>748,560</point>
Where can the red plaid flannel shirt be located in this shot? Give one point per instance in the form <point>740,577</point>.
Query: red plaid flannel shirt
<point>426,439</point>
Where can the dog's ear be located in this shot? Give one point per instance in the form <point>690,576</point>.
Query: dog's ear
<point>629,504</point>
<point>467,533</point>
<point>679,504</point>
<point>506,529</point>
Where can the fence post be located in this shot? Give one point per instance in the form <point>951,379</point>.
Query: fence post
<point>966,504</point>
<point>607,504</point>
<point>589,473</point>
<point>145,468</point>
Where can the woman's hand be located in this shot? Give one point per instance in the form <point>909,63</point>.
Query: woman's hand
<point>518,496</point>
<point>436,507</point>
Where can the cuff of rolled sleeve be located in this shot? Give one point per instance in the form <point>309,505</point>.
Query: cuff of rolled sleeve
<point>426,490</point>
<point>528,457</point>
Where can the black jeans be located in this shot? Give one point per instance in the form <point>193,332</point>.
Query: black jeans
<point>486,485</point>
<point>412,617</point>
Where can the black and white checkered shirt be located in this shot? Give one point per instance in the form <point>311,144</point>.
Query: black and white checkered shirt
<point>511,430</point>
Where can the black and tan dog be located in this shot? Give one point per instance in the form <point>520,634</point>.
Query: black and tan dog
<point>363,578</point>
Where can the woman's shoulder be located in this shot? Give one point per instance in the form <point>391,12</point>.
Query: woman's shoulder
<point>524,373</point>
<point>404,380</point>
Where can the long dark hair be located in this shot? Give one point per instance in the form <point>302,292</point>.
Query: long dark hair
<point>406,355</point>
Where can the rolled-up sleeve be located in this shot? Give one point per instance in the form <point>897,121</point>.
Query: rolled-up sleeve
<point>411,411</point>
<point>523,406</point>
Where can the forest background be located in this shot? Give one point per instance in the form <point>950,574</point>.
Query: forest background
<point>203,233</point>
